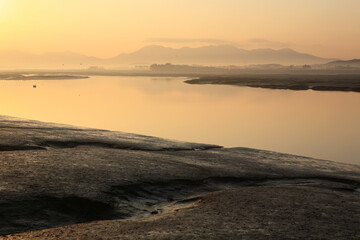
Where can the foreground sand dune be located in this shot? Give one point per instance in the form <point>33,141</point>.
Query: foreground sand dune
<point>127,186</point>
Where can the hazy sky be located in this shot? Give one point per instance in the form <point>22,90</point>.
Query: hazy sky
<point>104,28</point>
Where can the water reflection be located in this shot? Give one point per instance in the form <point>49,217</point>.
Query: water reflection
<point>318,124</point>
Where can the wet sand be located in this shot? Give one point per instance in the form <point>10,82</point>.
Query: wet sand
<point>100,184</point>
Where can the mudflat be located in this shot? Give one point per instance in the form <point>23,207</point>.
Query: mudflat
<point>65,182</point>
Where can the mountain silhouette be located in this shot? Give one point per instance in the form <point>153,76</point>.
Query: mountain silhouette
<point>216,55</point>
<point>207,55</point>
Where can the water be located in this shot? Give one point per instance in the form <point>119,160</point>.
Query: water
<point>318,124</point>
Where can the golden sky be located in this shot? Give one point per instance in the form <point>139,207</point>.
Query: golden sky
<point>105,28</point>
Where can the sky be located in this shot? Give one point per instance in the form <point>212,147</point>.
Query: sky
<point>105,28</point>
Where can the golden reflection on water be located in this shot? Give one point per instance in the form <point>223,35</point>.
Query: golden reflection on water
<point>318,124</point>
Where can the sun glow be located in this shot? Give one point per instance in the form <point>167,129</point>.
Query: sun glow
<point>4,9</point>
<point>107,28</point>
<point>7,9</point>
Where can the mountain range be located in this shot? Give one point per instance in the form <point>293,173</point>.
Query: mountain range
<point>207,55</point>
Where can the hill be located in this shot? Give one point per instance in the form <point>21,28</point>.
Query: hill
<point>207,55</point>
<point>216,55</point>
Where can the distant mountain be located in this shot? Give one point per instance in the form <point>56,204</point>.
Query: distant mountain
<point>216,55</point>
<point>207,55</point>
<point>59,60</point>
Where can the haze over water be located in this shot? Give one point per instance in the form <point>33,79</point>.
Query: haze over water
<point>316,124</point>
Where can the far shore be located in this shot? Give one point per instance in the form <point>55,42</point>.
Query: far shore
<point>318,81</point>
<point>348,83</point>
<point>18,76</point>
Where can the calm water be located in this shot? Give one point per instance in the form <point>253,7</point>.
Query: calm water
<point>318,124</point>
